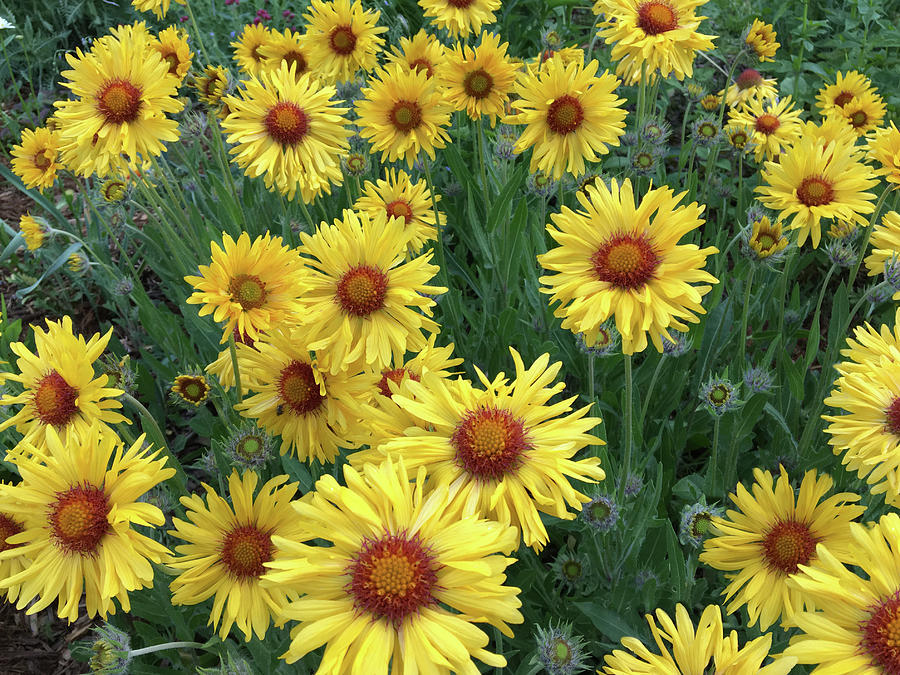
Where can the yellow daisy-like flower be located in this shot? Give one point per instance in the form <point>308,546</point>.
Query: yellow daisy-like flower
<point>11,524</point>
<point>228,546</point>
<point>566,55</point>
<point>866,351</point>
<point>172,46</point>
<point>288,129</point>
<point>739,136</point>
<point>711,102</point>
<point>158,7</point>
<point>211,85</point>
<point>761,39</point>
<point>253,287</point>
<point>123,92</point>
<point>659,37</point>
<point>191,389</point>
<point>479,81</point>
<point>853,631</point>
<point>749,85</point>
<point>864,113</point>
<point>430,359</point>
<point>396,195</point>
<point>36,159</point>
<point>343,38</point>
<point>287,47</point>
<point>775,125</point>
<point>841,229</point>
<point>766,239</point>
<point>815,180</point>
<point>693,650</point>
<point>772,532</point>
<point>460,17</point>
<point>618,258</point>
<point>365,305</point>
<point>402,113</point>
<point>421,52</point>
<point>77,512</point>
<point>60,388</point>
<point>248,48</point>
<point>403,581</point>
<point>33,231</point>
<point>314,412</point>
<point>885,242</point>
<point>570,116</point>
<point>845,89</point>
<point>884,148</point>
<point>832,129</point>
<point>505,451</point>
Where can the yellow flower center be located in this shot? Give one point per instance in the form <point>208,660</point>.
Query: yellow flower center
<point>244,550</point>
<point>565,114</point>
<point>361,290</point>
<point>248,290</point>
<point>55,400</point>
<point>478,83</point>
<point>405,116</point>
<point>119,101</point>
<point>767,124</point>
<point>287,123</point>
<point>78,519</point>
<point>815,191</point>
<point>489,442</point>
<point>299,389</point>
<point>656,17</point>
<point>788,544</point>
<point>626,261</point>
<point>342,40</point>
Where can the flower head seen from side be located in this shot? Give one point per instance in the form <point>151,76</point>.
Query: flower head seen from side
<point>172,46</point>
<point>420,52</point>
<point>774,124</point>
<point>506,450</point>
<point>405,579</point>
<point>252,287</point>
<point>772,532</point>
<point>846,87</point>
<point>761,39</point>
<point>289,130</point>
<point>227,547</point>
<point>685,650</point>
<point>248,48</point>
<point>34,230</point>
<point>365,304</point>
<point>211,85</point>
<point>78,506</point>
<point>615,258</point>
<point>397,196</point>
<point>60,389</point>
<point>815,180</point>
<point>343,38</point>
<point>749,85</point>
<point>885,243</point>
<point>403,113</point>
<point>570,115</point>
<point>660,38</point>
<point>460,17</point>
<point>123,94</point>
<point>857,611</point>
<point>884,148</point>
<point>158,7</point>
<point>36,159</point>
<point>479,80</point>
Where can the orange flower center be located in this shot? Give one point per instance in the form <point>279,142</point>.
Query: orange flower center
<point>396,375</point>
<point>392,577</point>
<point>460,4</point>
<point>119,101</point>
<point>296,59</point>
<point>8,528</point>
<point>298,388</point>
<point>478,83</point>
<point>55,400</point>
<point>421,64</point>
<point>489,443</point>
<point>41,160</point>
<point>248,290</point>
<point>892,417</point>
<point>287,123</point>
<point>405,116</point>
<point>859,119</point>
<point>626,261</point>
<point>787,545</point>
<point>342,40</point>
<point>881,635</point>
<point>399,209</point>
<point>172,59</point>
<point>78,519</point>
<point>815,191</point>
<point>843,99</point>
<point>244,550</point>
<point>767,124</point>
<point>565,114</point>
<point>749,78</point>
<point>656,17</point>
<point>361,290</point>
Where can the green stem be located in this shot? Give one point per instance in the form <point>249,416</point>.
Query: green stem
<point>197,31</point>
<point>180,478</point>
<point>646,404</point>
<point>309,218</point>
<point>166,645</point>
<point>232,349</point>
<point>628,427</point>
<point>865,241</point>
<point>225,166</point>
<point>714,483</point>
<point>484,184</point>
<point>744,315</point>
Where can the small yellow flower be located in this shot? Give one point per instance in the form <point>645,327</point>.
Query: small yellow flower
<point>884,148</point>
<point>761,39</point>
<point>173,47</point>
<point>191,389</point>
<point>36,159</point>
<point>33,231</point>
<point>248,48</point>
<point>766,239</point>
<point>711,102</point>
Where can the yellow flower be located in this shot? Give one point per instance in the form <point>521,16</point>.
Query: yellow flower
<point>158,7</point>
<point>460,17</point>
<point>618,258</point>
<point>885,242</point>
<point>505,450</point>
<point>191,389</point>
<point>343,38</point>
<point>775,125</point>
<point>253,287</point>
<point>36,159</point>
<point>739,136</point>
<point>288,129</point>
<point>570,116</point>
<point>479,81</point>
<point>766,239</point>
<point>396,195</point>
<point>78,513</point>
<point>657,37</point>
<point>227,548</point>
<point>123,92</point>
<point>749,85</point>
<point>761,39</point>
<point>11,524</point>
<point>772,532</point>
<point>566,55</point>
<point>711,102</point>
<point>853,630</point>
<point>421,52</point>
<point>814,180</point>
<point>831,129</point>
<point>365,305</point>
<point>33,231</point>
<point>402,582</point>
<point>402,113</point>
<point>212,84</point>
<point>846,88</point>
<point>248,48</point>
<point>60,388</point>
<point>287,47</point>
<point>173,47</point>
<point>863,113</point>
<point>693,650</point>
<point>884,148</point>
<point>841,229</point>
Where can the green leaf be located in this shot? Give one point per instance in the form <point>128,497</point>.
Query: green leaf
<point>55,265</point>
<point>608,622</point>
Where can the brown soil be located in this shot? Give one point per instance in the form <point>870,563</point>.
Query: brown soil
<point>39,643</point>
